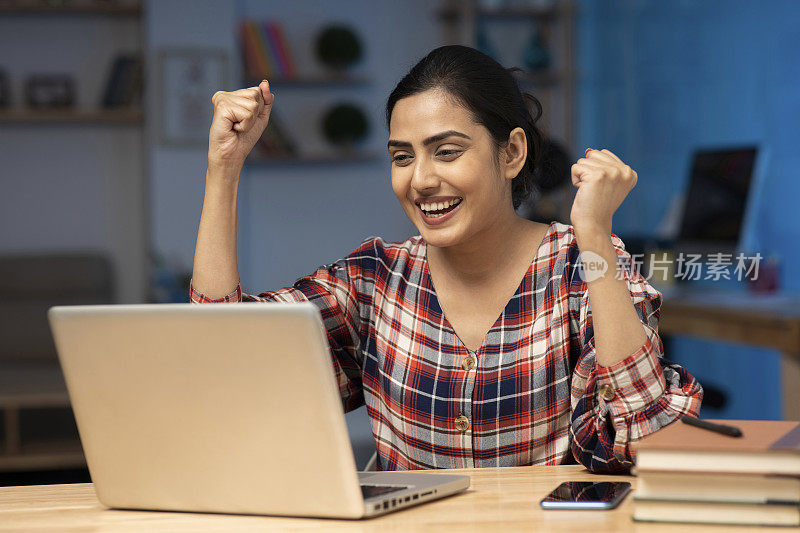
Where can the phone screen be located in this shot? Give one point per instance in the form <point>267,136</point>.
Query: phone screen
<point>586,495</point>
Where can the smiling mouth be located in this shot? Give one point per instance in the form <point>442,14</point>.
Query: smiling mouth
<point>437,209</point>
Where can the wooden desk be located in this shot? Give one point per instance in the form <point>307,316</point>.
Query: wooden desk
<point>500,499</point>
<point>769,321</point>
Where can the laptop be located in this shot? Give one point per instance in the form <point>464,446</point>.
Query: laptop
<point>226,408</point>
<point>720,199</point>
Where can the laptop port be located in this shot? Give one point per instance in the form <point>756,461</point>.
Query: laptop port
<point>378,507</point>
<point>416,496</point>
<point>427,493</point>
<point>408,499</point>
<point>385,505</point>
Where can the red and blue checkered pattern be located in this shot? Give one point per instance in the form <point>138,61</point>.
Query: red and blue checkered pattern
<point>532,397</point>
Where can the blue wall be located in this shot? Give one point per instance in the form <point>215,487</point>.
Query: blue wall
<point>657,80</point>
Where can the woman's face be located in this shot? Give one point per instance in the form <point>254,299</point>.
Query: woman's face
<point>445,169</point>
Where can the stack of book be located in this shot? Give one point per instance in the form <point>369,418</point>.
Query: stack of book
<point>265,50</point>
<point>693,475</point>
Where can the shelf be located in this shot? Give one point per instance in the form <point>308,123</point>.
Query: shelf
<point>452,14</point>
<point>44,455</point>
<point>31,383</point>
<point>76,116</point>
<point>311,81</point>
<point>312,159</point>
<point>73,8</point>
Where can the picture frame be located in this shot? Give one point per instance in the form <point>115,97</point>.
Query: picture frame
<point>50,91</point>
<point>187,79</point>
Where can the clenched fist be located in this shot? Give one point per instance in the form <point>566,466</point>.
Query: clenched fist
<point>239,120</point>
<point>603,182</point>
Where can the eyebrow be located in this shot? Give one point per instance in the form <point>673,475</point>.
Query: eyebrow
<point>430,140</point>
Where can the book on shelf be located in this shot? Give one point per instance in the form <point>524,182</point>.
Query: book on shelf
<point>265,50</point>
<point>284,51</point>
<point>124,83</point>
<point>689,474</point>
<point>275,141</point>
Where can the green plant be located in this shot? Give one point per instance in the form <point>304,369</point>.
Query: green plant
<point>344,124</point>
<point>338,46</point>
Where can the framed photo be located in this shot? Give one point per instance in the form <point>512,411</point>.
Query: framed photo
<point>50,91</point>
<point>187,80</point>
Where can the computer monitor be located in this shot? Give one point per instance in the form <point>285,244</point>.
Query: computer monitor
<point>717,201</point>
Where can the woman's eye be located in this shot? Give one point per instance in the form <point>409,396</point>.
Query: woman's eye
<point>404,158</point>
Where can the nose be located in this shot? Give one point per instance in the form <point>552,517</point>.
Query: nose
<point>425,176</point>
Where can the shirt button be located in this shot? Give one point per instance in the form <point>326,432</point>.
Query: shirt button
<point>607,392</point>
<point>468,363</point>
<point>462,423</point>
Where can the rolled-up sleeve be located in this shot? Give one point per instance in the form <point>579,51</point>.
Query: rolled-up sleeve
<point>334,290</point>
<point>617,405</point>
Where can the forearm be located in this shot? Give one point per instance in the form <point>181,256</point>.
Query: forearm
<point>618,330</point>
<point>216,271</point>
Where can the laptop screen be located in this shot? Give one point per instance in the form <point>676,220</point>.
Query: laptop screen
<point>717,196</point>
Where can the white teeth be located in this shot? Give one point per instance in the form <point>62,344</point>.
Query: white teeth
<point>437,206</point>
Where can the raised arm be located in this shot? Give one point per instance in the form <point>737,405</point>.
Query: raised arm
<point>239,120</point>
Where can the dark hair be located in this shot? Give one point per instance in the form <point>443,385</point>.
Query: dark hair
<point>490,93</point>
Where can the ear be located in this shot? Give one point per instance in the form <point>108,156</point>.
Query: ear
<point>514,154</point>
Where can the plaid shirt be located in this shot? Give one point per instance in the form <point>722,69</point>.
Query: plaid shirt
<point>531,395</point>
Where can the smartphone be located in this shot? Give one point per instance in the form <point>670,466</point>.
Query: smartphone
<point>586,495</point>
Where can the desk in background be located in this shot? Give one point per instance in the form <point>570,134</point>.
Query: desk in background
<point>769,321</point>
<point>500,499</point>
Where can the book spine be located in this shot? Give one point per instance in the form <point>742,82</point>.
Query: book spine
<point>134,90</point>
<point>287,51</point>
<point>279,44</point>
<point>259,68</point>
<point>123,87</point>
<point>248,55</point>
<point>263,49</point>
<point>112,86</point>
<point>282,140</point>
<point>258,50</point>
<point>274,48</point>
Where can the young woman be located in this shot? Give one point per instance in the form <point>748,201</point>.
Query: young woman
<point>486,340</point>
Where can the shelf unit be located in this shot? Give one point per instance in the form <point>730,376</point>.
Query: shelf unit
<point>554,87</point>
<point>133,117</point>
<point>310,81</point>
<point>33,7</point>
<point>25,388</point>
<point>40,8</point>
<point>314,81</point>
